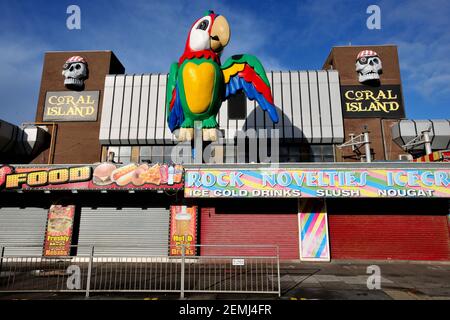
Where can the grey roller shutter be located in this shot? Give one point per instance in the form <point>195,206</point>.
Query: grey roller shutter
<point>145,231</point>
<point>23,227</point>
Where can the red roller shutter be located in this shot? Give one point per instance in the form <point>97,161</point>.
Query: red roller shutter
<point>222,225</point>
<point>390,236</point>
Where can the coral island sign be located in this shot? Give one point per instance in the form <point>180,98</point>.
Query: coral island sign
<point>307,183</point>
<point>71,106</point>
<point>384,101</point>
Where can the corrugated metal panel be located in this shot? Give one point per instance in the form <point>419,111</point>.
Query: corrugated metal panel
<point>116,113</point>
<point>287,104</point>
<point>315,108</point>
<point>23,226</point>
<point>115,227</point>
<point>152,109</point>
<point>105,121</point>
<point>325,107</point>
<point>295,102</point>
<point>252,229</point>
<point>337,119</point>
<point>308,105</point>
<point>126,110</point>
<point>305,106</point>
<point>135,110</point>
<point>389,237</point>
<point>161,122</point>
<point>143,110</point>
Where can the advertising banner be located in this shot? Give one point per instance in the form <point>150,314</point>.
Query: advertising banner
<point>313,226</point>
<point>104,176</point>
<point>71,106</point>
<point>183,229</point>
<point>59,230</point>
<point>308,183</point>
<point>367,102</point>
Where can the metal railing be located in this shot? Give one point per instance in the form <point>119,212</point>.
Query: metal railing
<point>216,269</point>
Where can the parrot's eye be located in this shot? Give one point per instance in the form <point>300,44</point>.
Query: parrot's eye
<point>203,25</point>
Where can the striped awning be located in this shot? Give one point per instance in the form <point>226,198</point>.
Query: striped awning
<point>309,108</point>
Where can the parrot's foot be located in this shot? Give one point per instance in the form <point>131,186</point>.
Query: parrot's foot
<point>210,134</point>
<point>186,134</point>
<point>210,122</point>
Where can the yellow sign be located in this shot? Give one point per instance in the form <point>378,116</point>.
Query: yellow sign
<point>45,177</point>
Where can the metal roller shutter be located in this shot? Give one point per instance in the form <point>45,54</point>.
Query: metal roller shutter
<point>390,235</point>
<point>257,227</point>
<point>113,227</point>
<point>23,227</point>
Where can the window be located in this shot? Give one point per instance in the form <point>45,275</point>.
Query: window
<point>158,154</point>
<point>162,154</point>
<point>287,153</point>
<point>121,154</point>
<point>237,106</point>
<point>322,153</point>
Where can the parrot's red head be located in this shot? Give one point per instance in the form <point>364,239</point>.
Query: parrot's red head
<point>210,32</point>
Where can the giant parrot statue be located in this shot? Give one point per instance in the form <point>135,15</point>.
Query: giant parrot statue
<point>198,83</point>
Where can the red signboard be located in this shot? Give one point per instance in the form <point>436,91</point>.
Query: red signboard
<point>183,229</point>
<point>104,176</point>
<point>59,230</point>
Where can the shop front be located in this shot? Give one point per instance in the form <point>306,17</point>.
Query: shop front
<point>338,211</point>
<point>120,210</point>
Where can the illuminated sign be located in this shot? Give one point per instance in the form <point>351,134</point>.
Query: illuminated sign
<point>364,101</point>
<point>44,177</point>
<point>71,106</point>
<point>307,183</point>
<point>93,177</point>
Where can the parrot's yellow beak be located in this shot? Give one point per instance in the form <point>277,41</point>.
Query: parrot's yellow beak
<point>220,34</point>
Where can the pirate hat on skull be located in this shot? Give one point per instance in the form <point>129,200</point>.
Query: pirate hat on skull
<point>73,60</point>
<point>366,53</point>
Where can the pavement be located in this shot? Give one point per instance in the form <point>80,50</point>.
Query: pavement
<point>337,280</point>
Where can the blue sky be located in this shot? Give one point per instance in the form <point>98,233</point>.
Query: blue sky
<point>148,35</point>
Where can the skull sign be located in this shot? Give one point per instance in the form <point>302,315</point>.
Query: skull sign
<point>75,71</point>
<point>368,66</point>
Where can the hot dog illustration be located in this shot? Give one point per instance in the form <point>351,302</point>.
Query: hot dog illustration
<point>123,175</point>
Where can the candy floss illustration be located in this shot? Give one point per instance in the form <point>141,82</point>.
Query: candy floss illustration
<point>313,230</point>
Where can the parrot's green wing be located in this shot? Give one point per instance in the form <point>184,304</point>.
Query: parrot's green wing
<point>245,72</point>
